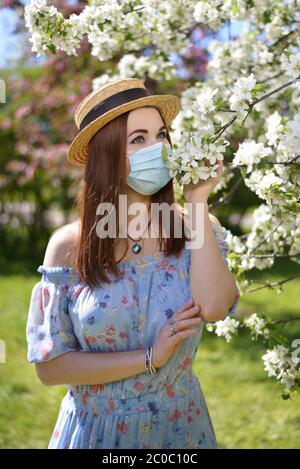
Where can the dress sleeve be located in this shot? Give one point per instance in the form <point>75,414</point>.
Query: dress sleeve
<point>49,329</point>
<point>221,234</point>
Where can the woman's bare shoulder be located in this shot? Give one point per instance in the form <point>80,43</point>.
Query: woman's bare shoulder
<point>61,244</point>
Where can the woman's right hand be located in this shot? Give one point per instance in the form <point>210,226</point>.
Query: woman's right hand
<point>166,344</point>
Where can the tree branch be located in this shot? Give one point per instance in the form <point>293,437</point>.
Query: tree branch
<point>219,132</point>
<point>292,161</point>
<point>273,284</point>
<point>276,256</point>
<point>265,238</point>
<point>265,96</point>
<point>283,321</point>
<point>227,196</point>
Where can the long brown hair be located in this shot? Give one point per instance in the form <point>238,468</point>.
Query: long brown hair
<point>103,180</point>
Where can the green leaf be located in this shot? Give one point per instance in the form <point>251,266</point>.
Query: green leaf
<point>287,52</point>
<point>281,339</point>
<point>51,48</point>
<point>165,153</point>
<point>260,87</point>
<point>286,395</point>
<point>271,326</point>
<point>266,17</point>
<point>220,102</point>
<point>59,21</point>
<point>234,7</point>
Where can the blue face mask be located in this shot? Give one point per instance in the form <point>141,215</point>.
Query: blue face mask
<point>149,172</point>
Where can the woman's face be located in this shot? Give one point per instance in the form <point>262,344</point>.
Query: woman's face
<point>144,127</point>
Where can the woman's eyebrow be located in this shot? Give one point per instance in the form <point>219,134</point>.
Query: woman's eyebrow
<point>144,131</point>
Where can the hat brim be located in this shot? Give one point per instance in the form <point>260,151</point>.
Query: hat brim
<point>169,105</point>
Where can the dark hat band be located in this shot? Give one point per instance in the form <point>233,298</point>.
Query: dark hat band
<point>113,101</point>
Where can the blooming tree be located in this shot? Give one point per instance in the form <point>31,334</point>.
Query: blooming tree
<point>251,96</point>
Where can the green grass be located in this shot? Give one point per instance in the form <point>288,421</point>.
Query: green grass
<point>28,410</point>
<point>245,405</point>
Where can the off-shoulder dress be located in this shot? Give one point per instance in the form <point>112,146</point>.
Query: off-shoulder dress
<point>164,410</point>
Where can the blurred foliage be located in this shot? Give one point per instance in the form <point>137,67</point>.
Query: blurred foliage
<point>37,183</point>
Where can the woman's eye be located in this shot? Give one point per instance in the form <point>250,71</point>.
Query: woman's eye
<point>134,140</point>
<point>164,135</point>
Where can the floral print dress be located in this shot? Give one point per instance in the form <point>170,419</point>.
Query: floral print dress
<point>164,410</point>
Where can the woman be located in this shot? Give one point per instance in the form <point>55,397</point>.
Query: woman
<point>118,319</point>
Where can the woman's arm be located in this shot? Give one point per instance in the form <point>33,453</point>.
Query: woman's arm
<point>83,367</point>
<point>91,368</point>
<point>213,286</point>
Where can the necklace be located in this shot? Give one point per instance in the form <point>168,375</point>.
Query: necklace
<point>136,248</point>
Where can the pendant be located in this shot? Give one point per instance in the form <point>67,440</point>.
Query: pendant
<point>136,248</point>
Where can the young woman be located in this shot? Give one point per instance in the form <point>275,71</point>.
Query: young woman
<point>118,319</point>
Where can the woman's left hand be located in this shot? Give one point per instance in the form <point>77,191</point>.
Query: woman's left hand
<point>200,191</point>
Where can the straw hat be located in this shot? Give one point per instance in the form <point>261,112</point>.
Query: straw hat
<point>110,101</point>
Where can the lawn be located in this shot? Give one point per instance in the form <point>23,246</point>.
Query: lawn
<point>244,404</point>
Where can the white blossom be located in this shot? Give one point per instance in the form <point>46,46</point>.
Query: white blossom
<point>290,61</point>
<point>291,139</point>
<point>274,128</point>
<point>190,158</point>
<point>278,363</point>
<point>225,328</point>
<point>257,324</point>
<point>204,100</point>
<point>241,93</point>
<point>250,153</point>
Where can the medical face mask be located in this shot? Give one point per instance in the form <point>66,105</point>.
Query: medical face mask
<point>149,172</point>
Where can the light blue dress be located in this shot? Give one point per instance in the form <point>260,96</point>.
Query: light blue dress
<point>164,410</point>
